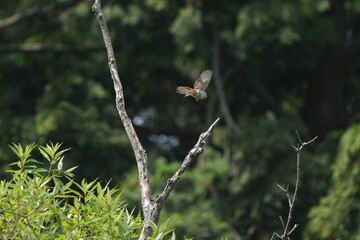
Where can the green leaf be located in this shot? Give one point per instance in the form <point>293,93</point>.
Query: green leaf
<point>71,169</point>
<point>35,161</point>
<point>45,154</point>
<point>36,170</point>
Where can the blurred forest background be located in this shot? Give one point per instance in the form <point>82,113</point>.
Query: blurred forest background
<point>278,66</point>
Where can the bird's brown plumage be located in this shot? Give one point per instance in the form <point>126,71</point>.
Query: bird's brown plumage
<point>201,83</point>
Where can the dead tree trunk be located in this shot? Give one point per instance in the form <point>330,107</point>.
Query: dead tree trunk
<point>151,208</point>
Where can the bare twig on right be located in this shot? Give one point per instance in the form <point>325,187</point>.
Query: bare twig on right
<point>287,225</point>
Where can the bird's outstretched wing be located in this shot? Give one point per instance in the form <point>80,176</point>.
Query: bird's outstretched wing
<point>203,81</point>
<point>183,90</point>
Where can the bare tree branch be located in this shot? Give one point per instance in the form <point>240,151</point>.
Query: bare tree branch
<point>140,155</point>
<point>157,206</point>
<point>151,209</point>
<point>31,12</point>
<point>192,155</point>
<point>39,47</point>
<point>171,182</point>
<point>287,229</point>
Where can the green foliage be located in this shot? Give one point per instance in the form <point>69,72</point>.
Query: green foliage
<point>193,198</point>
<point>338,213</point>
<point>233,184</point>
<point>46,203</point>
<point>278,61</point>
<point>186,28</point>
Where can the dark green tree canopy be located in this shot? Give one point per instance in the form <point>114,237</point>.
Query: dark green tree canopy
<point>277,67</point>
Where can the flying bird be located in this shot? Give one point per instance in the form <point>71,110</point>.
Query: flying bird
<point>198,92</point>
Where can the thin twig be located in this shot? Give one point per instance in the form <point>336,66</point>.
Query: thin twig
<point>58,48</point>
<point>287,231</point>
<point>294,227</point>
<point>31,12</point>
<point>12,212</point>
<point>282,221</point>
<point>299,138</point>
<point>275,234</point>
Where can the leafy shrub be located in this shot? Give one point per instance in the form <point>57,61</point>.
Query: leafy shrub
<point>46,203</point>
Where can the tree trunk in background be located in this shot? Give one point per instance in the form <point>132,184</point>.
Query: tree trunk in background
<point>324,105</point>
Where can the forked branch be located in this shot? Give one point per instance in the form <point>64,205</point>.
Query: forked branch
<point>151,208</point>
<point>287,226</point>
<point>140,154</point>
